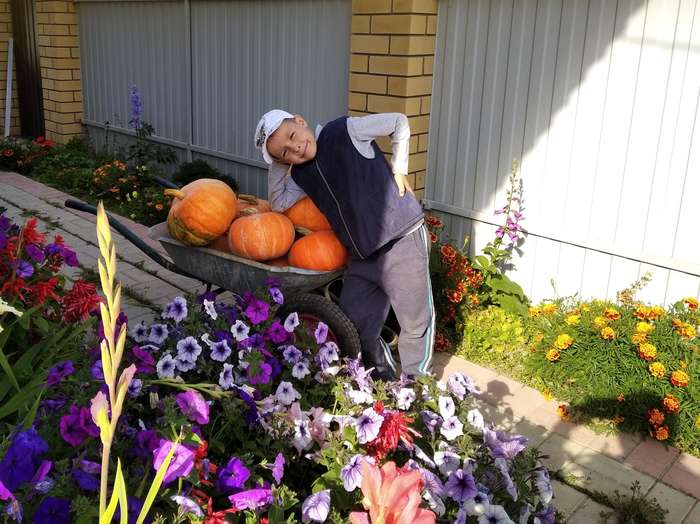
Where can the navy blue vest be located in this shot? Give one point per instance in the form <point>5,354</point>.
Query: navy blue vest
<point>358,195</point>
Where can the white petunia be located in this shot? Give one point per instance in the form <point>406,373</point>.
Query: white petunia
<point>476,419</point>
<point>300,369</point>
<point>240,331</point>
<point>447,407</point>
<point>404,398</point>
<point>210,309</point>
<point>447,461</point>
<point>286,394</point>
<point>166,366</point>
<point>451,428</point>
<point>359,397</point>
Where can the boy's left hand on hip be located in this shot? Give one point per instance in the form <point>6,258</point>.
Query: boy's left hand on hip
<point>402,184</point>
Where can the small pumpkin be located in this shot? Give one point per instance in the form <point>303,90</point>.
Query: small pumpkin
<point>321,251</point>
<point>249,204</point>
<point>261,236</point>
<point>201,211</point>
<point>305,214</point>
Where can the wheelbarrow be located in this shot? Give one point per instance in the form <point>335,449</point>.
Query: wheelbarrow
<point>313,295</point>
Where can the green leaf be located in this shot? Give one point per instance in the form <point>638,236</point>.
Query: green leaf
<point>506,285</point>
<point>20,399</point>
<point>510,304</point>
<point>29,419</point>
<point>482,261</point>
<point>4,363</point>
<point>42,324</point>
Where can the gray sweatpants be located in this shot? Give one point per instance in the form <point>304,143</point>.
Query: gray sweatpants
<point>397,276</point>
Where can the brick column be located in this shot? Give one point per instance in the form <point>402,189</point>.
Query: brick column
<point>5,35</point>
<point>59,58</point>
<point>391,68</point>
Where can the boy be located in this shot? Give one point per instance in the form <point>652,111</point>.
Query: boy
<point>373,212</point>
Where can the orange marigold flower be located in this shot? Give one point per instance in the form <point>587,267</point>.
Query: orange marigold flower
<point>677,322</point>
<point>647,351</point>
<point>563,412</point>
<point>573,320</point>
<point>433,238</point>
<point>538,337</point>
<point>671,404</point>
<point>535,311</point>
<point>600,322</point>
<point>607,333</point>
<point>474,300</point>
<point>642,312</point>
<point>159,206</point>
<point>448,251</point>
<point>621,398</point>
<point>656,312</point>
<point>453,296</point>
<point>639,338</point>
<point>680,379</point>
<point>548,309</point>
<point>657,369</point>
<point>661,433</point>
<point>691,302</point>
<point>619,419</point>
<point>433,221</point>
<point>644,327</point>
<point>611,313</point>
<point>563,341</point>
<point>655,417</point>
<point>553,355</point>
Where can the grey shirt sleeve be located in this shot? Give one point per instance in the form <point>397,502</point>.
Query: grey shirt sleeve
<point>282,191</point>
<point>364,129</point>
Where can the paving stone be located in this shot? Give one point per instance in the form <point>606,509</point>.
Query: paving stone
<point>694,516</point>
<point>588,513</point>
<point>500,416</point>
<point>652,457</point>
<point>580,434</point>
<point>677,504</point>
<point>535,433</point>
<point>617,446</point>
<point>560,451</point>
<point>567,499</point>
<point>685,475</point>
<point>602,473</point>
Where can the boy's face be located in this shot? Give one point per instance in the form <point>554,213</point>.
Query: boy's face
<point>293,142</point>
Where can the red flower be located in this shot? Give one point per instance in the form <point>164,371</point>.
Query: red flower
<point>43,290</point>
<point>79,302</point>
<point>15,287</point>
<point>40,139</point>
<point>8,152</point>
<point>394,429</point>
<point>29,233</point>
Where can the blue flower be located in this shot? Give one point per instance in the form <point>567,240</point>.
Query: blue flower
<point>166,366</point>
<point>226,377</point>
<point>460,485</point>
<point>177,310</point>
<point>188,349</point>
<point>53,510</point>
<point>220,351</point>
<point>158,334</point>
<point>22,459</point>
<point>85,480</point>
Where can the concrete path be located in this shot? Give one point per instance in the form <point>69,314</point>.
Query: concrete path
<point>587,459</point>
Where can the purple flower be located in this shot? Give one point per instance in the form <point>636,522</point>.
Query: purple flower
<point>135,387</point>
<point>233,476</point>
<point>5,223</point>
<point>139,332</point>
<point>88,466</point>
<point>251,499</point>
<point>546,515</point>
<point>257,311</point>
<point>276,295</point>
<point>22,458</point>
<point>158,334</point>
<point>166,366</point>
<point>146,443</point>
<point>431,420</point>
<point>251,416</point>
<point>24,269</point>
<point>77,426</point>
<point>351,474</point>
<point>3,241</point>
<point>187,505</point>
<point>460,485</point>
<point>502,445</point>
<point>259,373</point>
<point>276,333</point>
<point>36,254</point>
<point>188,349</point>
<point>291,354</point>
<point>5,494</point>
<point>316,506</point>
<point>291,322</point>
<point>460,385</point>
<point>321,333</point>
<point>96,371</point>
<point>145,363</point>
<point>220,351</point>
<point>135,98</point>
<point>278,468</point>
<point>53,510</point>
<point>367,425</point>
<point>86,481</point>
<point>69,257</point>
<point>226,377</point>
<point>544,485</point>
<point>177,310</point>
<point>193,406</point>
<point>508,484</point>
<point>181,463</point>
<point>59,372</point>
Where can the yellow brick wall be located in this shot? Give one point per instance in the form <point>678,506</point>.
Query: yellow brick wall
<point>59,59</point>
<point>5,35</point>
<point>391,68</point>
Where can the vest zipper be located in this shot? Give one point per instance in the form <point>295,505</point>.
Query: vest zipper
<point>340,213</point>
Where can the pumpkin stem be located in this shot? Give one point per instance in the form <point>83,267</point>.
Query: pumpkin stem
<point>248,198</point>
<point>175,193</point>
<point>248,211</point>
<point>303,231</point>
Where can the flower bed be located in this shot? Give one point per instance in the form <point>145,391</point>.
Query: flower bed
<point>268,423</point>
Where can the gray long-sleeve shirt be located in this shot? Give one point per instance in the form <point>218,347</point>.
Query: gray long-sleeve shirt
<point>283,192</point>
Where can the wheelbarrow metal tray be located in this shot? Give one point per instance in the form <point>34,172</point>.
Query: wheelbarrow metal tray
<point>235,273</point>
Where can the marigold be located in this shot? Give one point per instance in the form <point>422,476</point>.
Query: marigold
<point>547,395</point>
<point>563,412</point>
<point>642,312</point>
<point>657,369</point>
<point>661,433</point>
<point>607,333</point>
<point>433,238</point>
<point>563,341</point>
<point>611,313</point>
<point>474,300</point>
<point>448,252</point>
<point>433,221</point>
<point>647,351</point>
<point>538,337</point>
<point>644,327</point>
<point>535,311</point>
<point>600,322</point>
<point>671,404</point>
<point>553,355</point>
<point>619,419</point>
<point>656,312</point>
<point>655,417</point>
<point>691,302</point>
<point>585,307</point>
<point>548,309</point>
<point>680,379</point>
<point>685,330</point>
<point>621,398</point>
<point>639,338</point>
<point>573,320</point>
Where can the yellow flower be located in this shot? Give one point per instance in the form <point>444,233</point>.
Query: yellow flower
<point>611,313</point>
<point>656,312</point>
<point>639,338</point>
<point>647,351</point>
<point>671,404</point>
<point>644,327</point>
<point>538,337</point>
<point>564,413</point>
<point>563,341</point>
<point>657,369</point>
<point>547,395</point>
<point>607,333</point>
<point>642,312</point>
<point>697,422</point>
<point>548,309</point>
<point>680,379</point>
<point>573,320</point>
<point>691,302</point>
<point>600,322</point>
<point>553,355</point>
<point>685,330</point>
<point>535,311</point>
<point>585,307</point>
<point>661,433</point>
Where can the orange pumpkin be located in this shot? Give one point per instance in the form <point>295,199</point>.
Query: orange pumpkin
<point>261,236</point>
<point>248,204</point>
<point>201,211</point>
<point>321,251</point>
<point>279,262</point>
<point>305,214</point>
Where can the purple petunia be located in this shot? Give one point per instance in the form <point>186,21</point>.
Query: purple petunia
<point>291,354</point>
<point>460,485</point>
<point>278,468</point>
<point>367,425</point>
<point>139,332</point>
<point>193,406</point>
<point>176,310</point>
<point>187,505</point>
<point>145,363</point>
<point>85,481</point>
<point>59,372</point>
<point>251,499</point>
<point>220,351</point>
<point>22,459</point>
<point>36,254</point>
<point>259,373</point>
<point>316,506</point>
<point>503,445</point>
<point>276,333</point>
<point>24,269</point>
<point>181,463</point>
<point>166,366</point>
<point>226,377</point>
<point>233,476</point>
<point>257,311</point>
<point>53,510</point>
<point>96,370</point>
<point>77,426</point>
<point>135,387</point>
<point>321,333</point>
<point>291,322</point>
<point>158,334</point>
<point>276,295</point>
<point>461,385</point>
<point>351,474</point>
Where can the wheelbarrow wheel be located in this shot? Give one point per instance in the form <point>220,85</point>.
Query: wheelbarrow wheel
<point>313,308</point>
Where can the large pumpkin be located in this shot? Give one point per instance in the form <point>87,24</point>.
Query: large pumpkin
<point>248,204</point>
<point>321,251</point>
<point>261,236</point>
<point>305,214</point>
<point>201,211</point>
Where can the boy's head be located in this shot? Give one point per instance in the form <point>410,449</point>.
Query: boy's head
<point>285,138</point>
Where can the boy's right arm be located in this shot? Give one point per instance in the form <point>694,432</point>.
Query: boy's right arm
<point>282,191</point>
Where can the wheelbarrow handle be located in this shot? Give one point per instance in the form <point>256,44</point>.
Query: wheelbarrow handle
<point>130,236</point>
<point>165,182</point>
